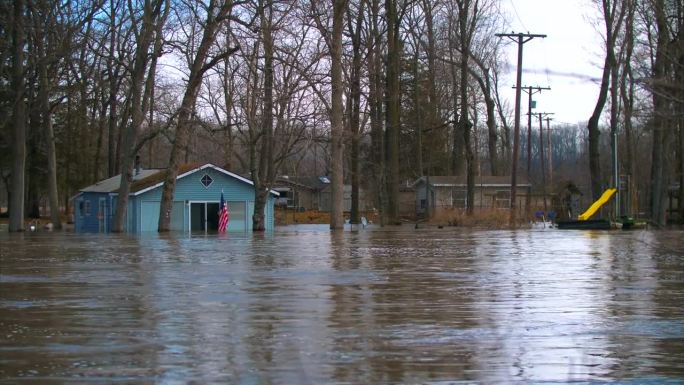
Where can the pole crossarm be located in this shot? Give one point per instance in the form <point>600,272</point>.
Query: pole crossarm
<point>520,37</point>
<point>533,89</point>
<point>543,115</point>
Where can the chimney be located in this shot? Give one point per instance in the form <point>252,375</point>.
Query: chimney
<point>137,165</point>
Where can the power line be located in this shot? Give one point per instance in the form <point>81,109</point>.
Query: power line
<point>517,15</point>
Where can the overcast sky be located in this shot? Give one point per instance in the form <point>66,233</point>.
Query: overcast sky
<point>568,60</point>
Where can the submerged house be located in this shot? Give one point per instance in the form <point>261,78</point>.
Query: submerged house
<point>302,193</point>
<point>448,192</point>
<point>312,193</point>
<point>195,202</point>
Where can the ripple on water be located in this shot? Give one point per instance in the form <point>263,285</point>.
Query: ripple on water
<point>305,305</point>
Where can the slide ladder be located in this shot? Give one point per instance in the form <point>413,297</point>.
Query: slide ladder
<point>605,197</point>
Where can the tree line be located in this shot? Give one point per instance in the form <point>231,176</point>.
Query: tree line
<point>369,92</point>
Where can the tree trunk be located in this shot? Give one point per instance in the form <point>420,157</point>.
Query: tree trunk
<point>614,109</point>
<point>46,121</point>
<point>613,16</point>
<point>183,128</point>
<point>680,168</point>
<point>418,117</point>
<point>337,125</point>
<point>152,14</point>
<point>432,114</point>
<point>457,149</point>
<point>506,145</point>
<point>466,126</point>
<point>16,217</point>
<point>492,135</point>
<point>627,99</point>
<point>355,112</point>
<point>263,172</point>
<point>393,99</point>
<point>490,105</point>
<point>680,151</point>
<point>113,84</point>
<point>375,95</point>
<point>659,155</point>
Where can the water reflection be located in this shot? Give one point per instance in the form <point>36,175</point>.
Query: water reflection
<point>306,306</point>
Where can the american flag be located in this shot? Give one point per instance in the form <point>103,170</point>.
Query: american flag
<point>223,215</point>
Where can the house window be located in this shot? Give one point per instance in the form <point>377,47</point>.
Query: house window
<point>206,180</point>
<point>423,204</point>
<point>502,199</point>
<point>459,198</point>
<point>86,208</point>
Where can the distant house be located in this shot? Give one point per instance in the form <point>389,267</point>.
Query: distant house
<point>442,192</point>
<point>311,193</point>
<point>302,193</point>
<point>195,202</point>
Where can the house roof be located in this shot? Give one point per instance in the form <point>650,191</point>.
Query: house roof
<point>150,179</point>
<point>310,182</point>
<point>112,184</point>
<point>454,181</point>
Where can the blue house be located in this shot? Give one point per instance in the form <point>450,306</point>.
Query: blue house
<point>195,202</point>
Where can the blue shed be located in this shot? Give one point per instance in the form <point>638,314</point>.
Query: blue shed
<point>195,202</point>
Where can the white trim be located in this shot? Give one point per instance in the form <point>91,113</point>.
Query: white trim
<point>208,165</point>
<point>189,204</point>
<point>76,196</point>
<point>205,214</point>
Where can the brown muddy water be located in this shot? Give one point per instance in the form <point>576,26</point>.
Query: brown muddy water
<point>377,306</point>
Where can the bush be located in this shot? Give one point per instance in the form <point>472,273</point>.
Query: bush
<point>484,218</point>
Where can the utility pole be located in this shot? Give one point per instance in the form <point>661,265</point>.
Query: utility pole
<point>550,152</point>
<point>541,154</point>
<point>520,39</point>
<point>531,90</point>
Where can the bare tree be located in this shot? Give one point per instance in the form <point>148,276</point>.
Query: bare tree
<point>627,97</point>
<point>393,16</point>
<point>16,220</point>
<point>613,15</point>
<point>467,23</point>
<point>660,161</point>
<point>154,14</point>
<point>217,12</point>
<point>354,26</point>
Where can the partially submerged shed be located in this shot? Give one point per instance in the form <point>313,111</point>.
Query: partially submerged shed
<point>195,202</point>
<point>437,193</point>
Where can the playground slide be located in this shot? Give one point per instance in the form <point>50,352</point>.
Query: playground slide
<point>597,205</point>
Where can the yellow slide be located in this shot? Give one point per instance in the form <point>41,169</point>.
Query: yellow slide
<point>597,205</point>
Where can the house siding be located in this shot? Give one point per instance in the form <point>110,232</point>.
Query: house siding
<point>143,209</point>
<point>444,197</point>
<point>238,194</point>
<point>91,216</point>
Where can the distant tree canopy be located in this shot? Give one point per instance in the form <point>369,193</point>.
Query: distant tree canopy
<point>374,93</point>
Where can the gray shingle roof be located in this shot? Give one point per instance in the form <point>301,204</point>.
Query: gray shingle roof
<point>112,184</point>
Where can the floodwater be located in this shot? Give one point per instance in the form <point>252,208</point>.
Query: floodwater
<point>377,306</point>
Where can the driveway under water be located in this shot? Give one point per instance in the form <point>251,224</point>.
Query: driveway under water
<point>378,306</point>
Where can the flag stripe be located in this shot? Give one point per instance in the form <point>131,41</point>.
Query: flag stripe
<point>223,216</point>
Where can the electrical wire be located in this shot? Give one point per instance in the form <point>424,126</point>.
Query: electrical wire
<point>517,15</point>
